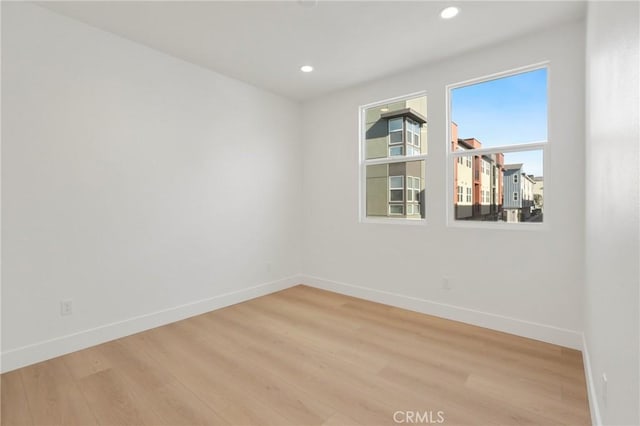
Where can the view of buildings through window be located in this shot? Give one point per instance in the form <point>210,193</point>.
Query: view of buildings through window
<point>498,135</point>
<point>395,149</point>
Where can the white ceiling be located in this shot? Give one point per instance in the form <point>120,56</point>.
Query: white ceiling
<point>264,43</point>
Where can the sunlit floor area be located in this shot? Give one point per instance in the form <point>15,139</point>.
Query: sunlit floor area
<point>304,356</point>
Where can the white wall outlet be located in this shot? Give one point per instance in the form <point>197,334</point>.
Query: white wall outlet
<point>446,283</point>
<point>268,266</point>
<point>66,307</point>
<point>604,388</point>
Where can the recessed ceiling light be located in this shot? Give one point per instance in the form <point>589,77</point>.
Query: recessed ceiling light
<point>384,109</point>
<point>449,12</point>
<point>306,68</point>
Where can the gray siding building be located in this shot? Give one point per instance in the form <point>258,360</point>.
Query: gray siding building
<point>518,193</point>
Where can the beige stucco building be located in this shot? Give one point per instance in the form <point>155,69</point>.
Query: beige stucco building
<point>396,132</point>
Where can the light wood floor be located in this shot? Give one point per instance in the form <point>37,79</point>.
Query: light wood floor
<point>304,357</point>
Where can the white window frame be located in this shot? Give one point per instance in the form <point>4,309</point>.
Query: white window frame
<point>452,156</point>
<point>363,163</point>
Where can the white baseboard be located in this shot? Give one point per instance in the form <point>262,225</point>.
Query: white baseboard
<point>42,351</point>
<point>546,333</point>
<point>596,420</point>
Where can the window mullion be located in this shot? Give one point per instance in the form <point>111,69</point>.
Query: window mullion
<point>390,160</point>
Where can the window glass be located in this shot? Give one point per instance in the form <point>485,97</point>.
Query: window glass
<point>503,111</point>
<point>396,209</point>
<point>504,120</point>
<point>393,132</point>
<point>396,150</point>
<point>395,137</point>
<point>395,124</point>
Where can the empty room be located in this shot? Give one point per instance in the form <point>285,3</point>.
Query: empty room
<point>320,213</point>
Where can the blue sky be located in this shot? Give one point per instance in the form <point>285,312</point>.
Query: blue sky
<point>504,112</point>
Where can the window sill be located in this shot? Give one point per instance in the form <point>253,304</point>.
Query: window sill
<point>510,226</point>
<point>394,221</point>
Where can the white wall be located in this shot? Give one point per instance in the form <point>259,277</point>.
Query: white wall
<point>613,209</point>
<point>527,282</point>
<point>132,183</point>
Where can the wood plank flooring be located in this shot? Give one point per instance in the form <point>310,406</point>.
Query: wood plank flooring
<point>304,356</point>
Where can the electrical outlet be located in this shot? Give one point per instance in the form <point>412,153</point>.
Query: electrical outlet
<point>268,266</point>
<point>604,388</point>
<point>66,307</point>
<point>446,284</point>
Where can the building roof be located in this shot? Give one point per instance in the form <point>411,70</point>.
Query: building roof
<point>513,166</point>
<point>465,143</point>
<point>470,143</point>
<point>406,112</point>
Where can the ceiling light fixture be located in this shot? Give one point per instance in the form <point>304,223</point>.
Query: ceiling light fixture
<point>449,12</point>
<point>306,68</point>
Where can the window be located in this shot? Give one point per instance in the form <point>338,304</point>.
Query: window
<point>501,127</point>
<point>393,147</point>
<point>413,189</point>
<point>413,137</point>
<point>460,194</point>
<point>396,209</point>
<point>396,150</point>
<point>396,188</point>
<point>395,131</point>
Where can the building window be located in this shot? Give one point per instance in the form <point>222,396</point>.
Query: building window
<point>412,137</point>
<point>498,125</point>
<point>396,150</point>
<point>413,189</point>
<point>413,209</point>
<point>393,147</point>
<point>395,131</point>
<point>396,209</point>
<point>396,188</point>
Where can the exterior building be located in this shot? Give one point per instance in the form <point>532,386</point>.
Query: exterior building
<point>518,193</point>
<point>396,189</point>
<point>477,181</point>
<point>538,193</point>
